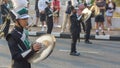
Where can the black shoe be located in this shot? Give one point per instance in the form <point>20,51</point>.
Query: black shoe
<point>88,42</point>
<point>97,33</point>
<point>75,54</point>
<point>103,33</point>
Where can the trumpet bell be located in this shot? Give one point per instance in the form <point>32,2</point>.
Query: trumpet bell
<point>48,44</point>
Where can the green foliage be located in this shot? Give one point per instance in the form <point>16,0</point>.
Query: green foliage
<point>92,1</point>
<point>117,2</point>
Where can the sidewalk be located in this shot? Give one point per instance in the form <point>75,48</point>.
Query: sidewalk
<point>112,35</point>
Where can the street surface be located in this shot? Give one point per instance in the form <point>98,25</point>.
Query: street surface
<point>100,54</point>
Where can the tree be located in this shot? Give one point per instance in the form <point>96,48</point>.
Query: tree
<point>117,2</point>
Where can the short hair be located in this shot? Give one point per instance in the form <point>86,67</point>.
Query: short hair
<point>72,8</point>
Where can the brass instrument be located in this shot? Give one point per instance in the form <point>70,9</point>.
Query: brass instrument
<point>48,44</point>
<point>7,17</point>
<point>55,13</point>
<point>3,26</point>
<point>95,10</point>
<point>86,13</point>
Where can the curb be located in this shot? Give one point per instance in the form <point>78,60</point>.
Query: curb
<point>68,36</point>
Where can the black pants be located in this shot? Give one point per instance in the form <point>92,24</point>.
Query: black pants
<point>87,34</point>
<point>75,36</point>
<point>88,27</point>
<point>49,26</point>
<point>83,26</point>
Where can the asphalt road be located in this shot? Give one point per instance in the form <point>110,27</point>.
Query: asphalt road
<point>100,54</point>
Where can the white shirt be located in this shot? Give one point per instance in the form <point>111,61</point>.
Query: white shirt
<point>88,1</point>
<point>42,5</point>
<point>110,5</point>
<point>74,2</point>
<point>19,3</point>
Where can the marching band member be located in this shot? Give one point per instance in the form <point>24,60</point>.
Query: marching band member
<point>49,17</point>
<point>88,25</point>
<point>81,8</point>
<point>20,48</point>
<point>75,30</point>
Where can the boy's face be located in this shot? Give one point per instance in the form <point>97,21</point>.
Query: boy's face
<point>49,4</point>
<point>23,22</point>
<point>81,7</point>
<point>74,11</point>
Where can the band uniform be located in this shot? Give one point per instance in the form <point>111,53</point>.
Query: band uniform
<point>49,18</point>
<point>75,30</point>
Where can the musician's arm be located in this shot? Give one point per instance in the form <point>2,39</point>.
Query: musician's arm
<point>92,8</point>
<point>48,14</point>
<point>73,21</point>
<point>16,52</point>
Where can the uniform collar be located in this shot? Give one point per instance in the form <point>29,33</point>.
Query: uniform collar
<point>19,29</point>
